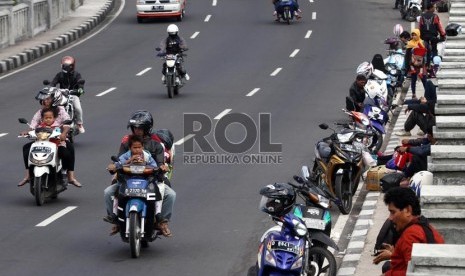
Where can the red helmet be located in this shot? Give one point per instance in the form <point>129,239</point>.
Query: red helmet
<point>67,64</point>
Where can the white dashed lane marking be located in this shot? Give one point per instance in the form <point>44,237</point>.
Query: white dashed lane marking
<point>275,72</point>
<point>105,92</point>
<point>3,134</point>
<point>195,35</point>
<point>144,71</point>
<point>219,116</point>
<point>184,139</point>
<point>313,15</point>
<point>308,34</point>
<point>294,53</point>
<point>251,93</point>
<point>207,18</point>
<point>56,216</point>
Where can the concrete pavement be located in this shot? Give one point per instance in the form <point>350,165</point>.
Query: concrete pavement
<point>71,28</point>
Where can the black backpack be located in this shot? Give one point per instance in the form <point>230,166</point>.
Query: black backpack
<point>428,29</point>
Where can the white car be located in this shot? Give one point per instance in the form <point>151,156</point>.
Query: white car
<point>160,9</point>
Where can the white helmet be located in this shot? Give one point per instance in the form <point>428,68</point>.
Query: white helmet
<point>398,29</point>
<point>172,29</point>
<point>373,89</point>
<point>419,179</point>
<point>366,68</point>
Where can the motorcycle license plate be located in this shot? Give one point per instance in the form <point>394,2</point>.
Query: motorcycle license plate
<point>41,150</point>
<point>157,8</point>
<point>285,246</point>
<point>135,192</point>
<point>312,223</point>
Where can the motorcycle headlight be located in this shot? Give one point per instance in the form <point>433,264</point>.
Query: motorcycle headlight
<point>42,136</point>
<point>299,228</point>
<point>344,138</point>
<point>33,159</point>
<point>269,258</point>
<point>170,62</point>
<point>393,71</point>
<point>297,264</point>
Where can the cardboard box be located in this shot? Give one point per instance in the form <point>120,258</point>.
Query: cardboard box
<point>374,175</point>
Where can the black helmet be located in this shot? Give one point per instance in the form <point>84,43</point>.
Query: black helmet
<point>277,199</point>
<point>67,64</point>
<point>141,119</point>
<point>166,137</point>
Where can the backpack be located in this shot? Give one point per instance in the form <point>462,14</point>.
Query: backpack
<point>428,26</point>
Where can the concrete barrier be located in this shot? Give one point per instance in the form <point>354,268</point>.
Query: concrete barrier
<point>437,259</point>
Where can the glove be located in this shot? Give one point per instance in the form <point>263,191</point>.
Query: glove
<point>80,92</point>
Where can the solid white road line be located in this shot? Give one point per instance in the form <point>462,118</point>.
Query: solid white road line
<point>313,15</point>
<point>184,139</point>
<point>144,71</point>
<point>275,72</point>
<point>105,92</point>
<point>207,18</point>
<point>195,35</point>
<point>219,116</point>
<point>251,93</point>
<point>294,53</point>
<point>56,216</point>
<point>3,134</point>
<point>214,3</point>
<point>309,33</point>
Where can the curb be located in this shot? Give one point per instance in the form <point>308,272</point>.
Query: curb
<point>37,52</point>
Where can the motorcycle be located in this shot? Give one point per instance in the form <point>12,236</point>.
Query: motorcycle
<point>289,248</point>
<point>410,10</point>
<point>48,179</point>
<point>67,99</point>
<point>338,165</point>
<point>173,80</point>
<point>368,122</point>
<point>136,205</point>
<point>394,64</point>
<point>285,10</point>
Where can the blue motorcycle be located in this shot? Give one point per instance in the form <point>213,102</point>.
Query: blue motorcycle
<point>289,248</point>
<point>285,10</point>
<point>136,205</point>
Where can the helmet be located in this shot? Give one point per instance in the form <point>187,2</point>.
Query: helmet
<point>67,64</point>
<point>365,68</point>
<point>49,92</point>
<point>437,60</point>
<point>398,29</point>
<point>419,179</point>
<point>141,119</point>
<point>172,29</point>
<point>277,199</point>
<point>58,98</point>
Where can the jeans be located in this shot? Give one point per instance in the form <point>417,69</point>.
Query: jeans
<point>167,206</point>
<point>413,82</point>
<point>77,109</point>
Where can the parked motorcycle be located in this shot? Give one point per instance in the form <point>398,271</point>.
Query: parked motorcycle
<point>48,179</point>
<point>410,10</point>
<point>286,10</point>
<point>373,140</point>
<point>338,165</point>
<point>136,204</point>
<point>68,96</point>
<point>173,80</point>
<point>394,64</point>
<point>288,248</point>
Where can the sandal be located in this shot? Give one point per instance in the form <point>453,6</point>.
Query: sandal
<point>23,182</point>
<point>114,230</point>
<point>165,231</point>
<point>75,183</point>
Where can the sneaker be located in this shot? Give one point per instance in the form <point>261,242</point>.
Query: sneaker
<point>420,133</point>
<point>178,80</point>
<point>163,79</point>
<point>81,129</point>
<point>403,133</point>
<point>186,76</point>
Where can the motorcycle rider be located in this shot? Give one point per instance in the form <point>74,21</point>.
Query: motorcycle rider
<point>141,123</point>
<point>297,11</point>
<point>68,78</point>
<point>173,44</point>
<point>49,97</point>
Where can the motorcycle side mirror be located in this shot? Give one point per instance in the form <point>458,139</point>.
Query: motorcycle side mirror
<point>81,81</point>
<point>46,82</point>
<point>114,158</point>
<point>299,179</point>
<point>22,121</point>
<point>323,126</point>
<point>158,49</point>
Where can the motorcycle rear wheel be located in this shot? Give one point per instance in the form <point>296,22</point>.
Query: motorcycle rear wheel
<point>39,193</point>
<point>321,262</point>
<point>344,193</point>
<point>134,234</point>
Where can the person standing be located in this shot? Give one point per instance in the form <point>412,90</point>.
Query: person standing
<point>430,28</point>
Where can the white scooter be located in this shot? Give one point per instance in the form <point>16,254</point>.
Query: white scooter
<point>47,177</point>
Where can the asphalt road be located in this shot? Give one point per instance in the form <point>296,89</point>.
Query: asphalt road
<point>216,224</point>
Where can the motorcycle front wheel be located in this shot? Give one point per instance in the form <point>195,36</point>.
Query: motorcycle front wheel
<point>170,85</point>
<point>39,193</point>
<point>134,234</point>
<point>321,262</point>
<point>344,193</point>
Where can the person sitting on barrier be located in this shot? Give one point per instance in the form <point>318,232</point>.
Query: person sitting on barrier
<point>405,215</point>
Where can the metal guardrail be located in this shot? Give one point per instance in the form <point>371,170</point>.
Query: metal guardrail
<point>32,17</point>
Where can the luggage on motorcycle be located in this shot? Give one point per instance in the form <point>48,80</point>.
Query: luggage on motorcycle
<point>374,175</point>
<point>391,180</point>
<point>453,29</point>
